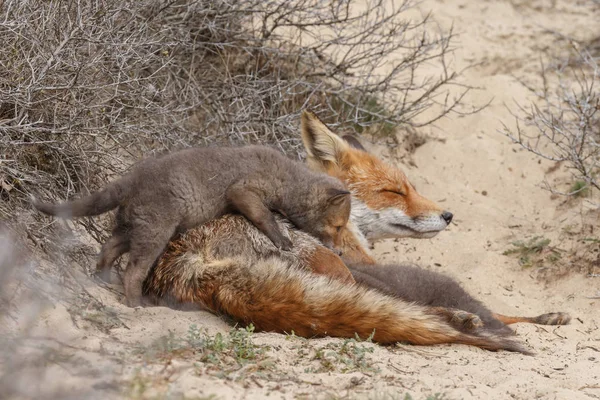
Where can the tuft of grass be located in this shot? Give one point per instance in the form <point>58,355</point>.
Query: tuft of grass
<point>534,252</point>
<point>350,355</point>
<point>389,396</point>
<point>579,189</point>
<point>237,344</point>
<point>235,349</point>
<point>436,396</point>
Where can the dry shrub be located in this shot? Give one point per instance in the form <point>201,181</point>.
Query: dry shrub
<point>563,126</point>
<point>565,121</point>
<point>87,87</point>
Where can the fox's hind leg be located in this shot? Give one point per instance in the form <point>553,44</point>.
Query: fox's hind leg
<point>148,242</point>
<point>115,247</point>
<point>555,318</point>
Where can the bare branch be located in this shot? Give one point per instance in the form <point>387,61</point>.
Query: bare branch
<point>564,124</point>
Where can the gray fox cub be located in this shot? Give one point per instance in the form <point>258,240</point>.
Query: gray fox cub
<point>172,193</point>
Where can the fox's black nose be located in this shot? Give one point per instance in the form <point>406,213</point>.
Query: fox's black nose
<point>447,215</point>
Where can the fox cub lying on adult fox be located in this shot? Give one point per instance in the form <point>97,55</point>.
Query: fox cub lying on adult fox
<point>172,193</point>
<point>229,268</point>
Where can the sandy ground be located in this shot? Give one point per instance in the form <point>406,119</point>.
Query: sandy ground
<point>505,39</point>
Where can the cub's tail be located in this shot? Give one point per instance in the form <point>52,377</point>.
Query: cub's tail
<point>95,204</point>
<point>278,296</point>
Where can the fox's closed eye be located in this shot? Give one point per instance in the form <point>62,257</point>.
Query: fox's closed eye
<point>395,191</point>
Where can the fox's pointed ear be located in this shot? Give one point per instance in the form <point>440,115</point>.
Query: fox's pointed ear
<point>336,196</point>
<point>352,141</point>
<point>322,145</point>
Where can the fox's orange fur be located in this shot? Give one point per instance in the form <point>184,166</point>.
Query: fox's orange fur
<point>278,292</point>
<point>384,202</point>
<point>376,183</point>
<point>228,267</point>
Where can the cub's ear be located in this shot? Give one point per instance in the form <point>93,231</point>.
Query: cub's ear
<point>324,148</point>
<point>337,197</point>
<point>352,141</point>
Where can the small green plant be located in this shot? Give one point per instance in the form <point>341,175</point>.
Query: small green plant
<point>348,356</point>
<point>534,252</point>
<point>579,189</point>
<point>236,347</point>
<point>386,395</point>
<point>436,396</point>
<point>238,344</point>
<point>590,240</point>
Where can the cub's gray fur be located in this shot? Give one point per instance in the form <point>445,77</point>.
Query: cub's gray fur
<point>172,193</point>
<point>424,287</point>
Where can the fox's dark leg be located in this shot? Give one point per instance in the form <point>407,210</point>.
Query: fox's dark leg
<point>148,241</point>
<point>248,202</point>
<point>555,318</point>
<point>115,247</point>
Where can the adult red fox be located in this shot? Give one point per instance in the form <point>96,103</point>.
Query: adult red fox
<point>228,267</point>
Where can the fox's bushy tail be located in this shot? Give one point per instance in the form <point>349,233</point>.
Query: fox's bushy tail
<point>278,296</point>
<point>95,204</point>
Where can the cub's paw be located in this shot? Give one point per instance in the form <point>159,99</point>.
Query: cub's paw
<point>469,321</point>
<point>460,319</point>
